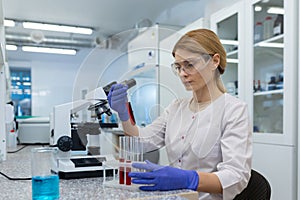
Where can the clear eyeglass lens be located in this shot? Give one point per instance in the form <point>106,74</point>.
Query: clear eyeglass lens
<point>189,66</point>
<point>186,66</point>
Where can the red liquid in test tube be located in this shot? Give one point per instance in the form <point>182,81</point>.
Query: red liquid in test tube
<point>121,172</point>
<point>121,160</point>
<point>128,169</point>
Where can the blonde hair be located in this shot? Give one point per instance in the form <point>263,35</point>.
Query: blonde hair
<point>204,41</point>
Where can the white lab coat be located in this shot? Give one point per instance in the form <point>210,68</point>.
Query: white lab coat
<point>217,139</point>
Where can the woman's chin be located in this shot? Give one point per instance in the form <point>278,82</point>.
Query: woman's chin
<point>188,87</point>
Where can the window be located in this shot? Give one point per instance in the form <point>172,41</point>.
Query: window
<point>21,90</point>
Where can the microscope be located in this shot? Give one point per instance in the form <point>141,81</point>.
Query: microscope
<point>78,139</point>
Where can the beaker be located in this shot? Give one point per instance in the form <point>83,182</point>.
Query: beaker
<point>45,180</point>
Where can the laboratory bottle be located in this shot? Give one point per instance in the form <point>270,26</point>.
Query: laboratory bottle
<point>258,86</point>
<point>230,86</point>
<point>12,140</point>
<point>278,25</point>
<point>258,32</point>
<point>268,27</point>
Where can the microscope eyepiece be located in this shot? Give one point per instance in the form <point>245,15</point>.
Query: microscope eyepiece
<point>130,83</point>
<point>108,86</point>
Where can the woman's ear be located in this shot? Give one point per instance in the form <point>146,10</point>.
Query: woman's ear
<point>216,61</point>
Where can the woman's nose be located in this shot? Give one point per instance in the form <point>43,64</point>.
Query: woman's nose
<point>183,72</point>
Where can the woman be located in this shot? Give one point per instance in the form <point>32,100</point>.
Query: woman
<point>207,137</point>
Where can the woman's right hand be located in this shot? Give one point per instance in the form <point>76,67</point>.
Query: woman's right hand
<point>117,99</point>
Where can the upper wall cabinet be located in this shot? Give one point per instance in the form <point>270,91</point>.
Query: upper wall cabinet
<point>272,69</point>
<point>227,24</point>
<point>268,60</point>
<point>262,64</point>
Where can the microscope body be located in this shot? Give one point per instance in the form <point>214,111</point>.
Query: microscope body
<point>75,130</point>
<point>72,125</point>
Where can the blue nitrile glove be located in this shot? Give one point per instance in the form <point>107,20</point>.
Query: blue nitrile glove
<point>164,178</point>
<point>117,98</point>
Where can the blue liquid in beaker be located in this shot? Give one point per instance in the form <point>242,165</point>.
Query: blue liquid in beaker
<point>45,187</point>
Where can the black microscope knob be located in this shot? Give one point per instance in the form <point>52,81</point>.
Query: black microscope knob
<point>65,143</point>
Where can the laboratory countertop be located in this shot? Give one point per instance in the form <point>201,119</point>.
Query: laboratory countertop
<point>17,165</point>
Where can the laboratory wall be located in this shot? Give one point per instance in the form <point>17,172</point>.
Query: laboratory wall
<point>99,68</point>
<point>51,84</point>
<point>56,82</point>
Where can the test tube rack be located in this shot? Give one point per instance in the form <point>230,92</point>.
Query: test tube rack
<point>130,150</point>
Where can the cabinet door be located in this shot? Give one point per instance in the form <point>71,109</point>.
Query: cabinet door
<point>274,70</point>
<point>2,112</point>
<point>143,62</point>
<point>2,89</point>
<point>226,23</point>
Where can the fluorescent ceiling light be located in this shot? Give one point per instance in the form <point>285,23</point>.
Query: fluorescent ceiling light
<point>10,47</point>
<point>8,22</point>
<point>275,10</point>
<point>49,50</point>
<point>26,83</point>
<point>230,42</point>
<point>58,28</point>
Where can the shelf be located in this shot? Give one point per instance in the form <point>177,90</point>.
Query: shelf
<point>230,42</point>
<point>267,133</point>
<point>232,53</point>
<point>273,42</point>
<point>269,49</point>
<point>232,56</point>
<point>279,91</point>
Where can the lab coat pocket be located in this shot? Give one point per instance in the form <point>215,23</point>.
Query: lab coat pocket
<point>206,142</point>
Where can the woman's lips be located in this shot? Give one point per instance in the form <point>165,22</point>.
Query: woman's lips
<point>187,83</point>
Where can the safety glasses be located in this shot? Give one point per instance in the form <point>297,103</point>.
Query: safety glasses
<point>191,66</point>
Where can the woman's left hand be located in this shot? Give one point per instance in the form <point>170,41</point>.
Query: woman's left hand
<point>164,178</point>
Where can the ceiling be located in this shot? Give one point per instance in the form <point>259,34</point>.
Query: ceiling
<point>107,17</point>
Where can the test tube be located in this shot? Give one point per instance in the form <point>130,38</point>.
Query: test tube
<point>129,157</point>
<point>139,149</point>
<point>121,159</point>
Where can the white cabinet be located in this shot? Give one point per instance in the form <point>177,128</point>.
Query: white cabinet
<point>143,67</point>
<point>273,63</point>
<point>298,152</point>
<point>228,25</point>
<point>2,108</point>
<point>266,71</point>
<point>3,88</point>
